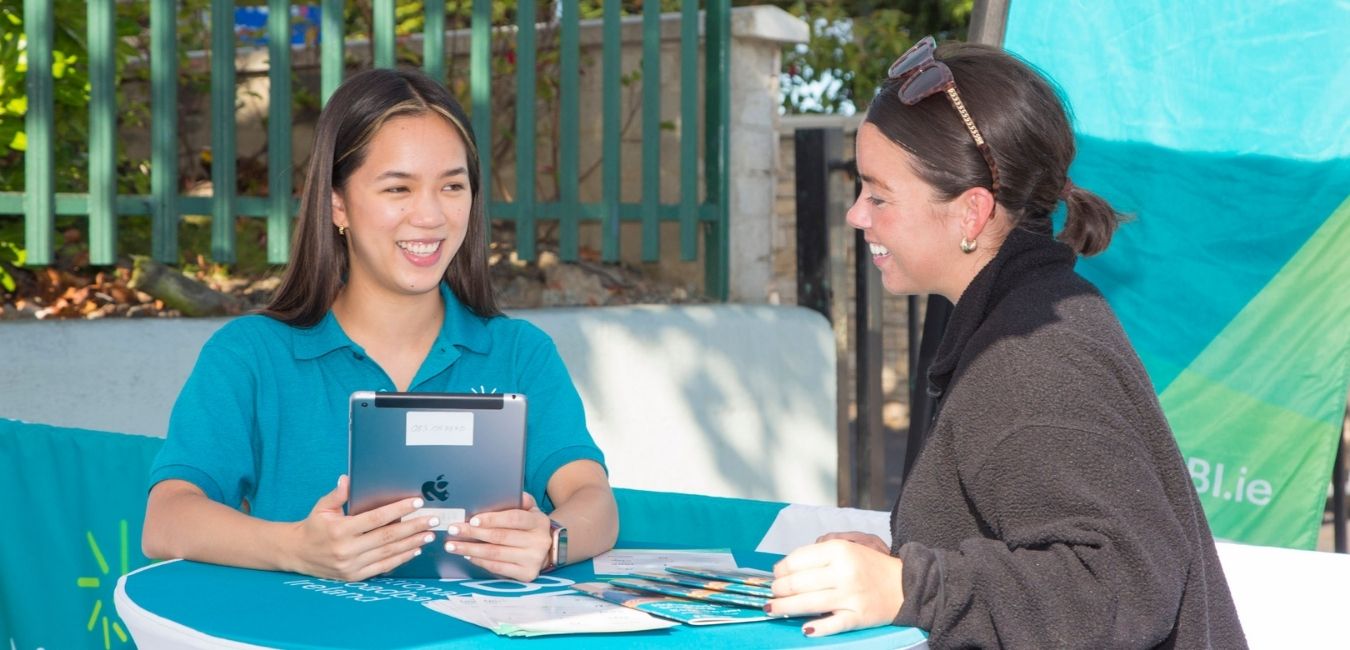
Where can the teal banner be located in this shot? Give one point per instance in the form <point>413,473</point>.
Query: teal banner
<point>1221,129</point>
<point>72,502</point>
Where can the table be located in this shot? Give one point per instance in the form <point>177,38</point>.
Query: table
<point>189,604</point>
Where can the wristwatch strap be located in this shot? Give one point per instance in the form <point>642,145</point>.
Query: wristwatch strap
<point>557,553</point>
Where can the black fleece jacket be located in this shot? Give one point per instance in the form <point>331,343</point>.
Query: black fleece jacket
<point>1050,507</point>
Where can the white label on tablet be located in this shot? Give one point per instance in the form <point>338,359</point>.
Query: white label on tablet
<point>439,428</point>
<point>447,516</point>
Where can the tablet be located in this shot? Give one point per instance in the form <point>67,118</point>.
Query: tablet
<point>461,453</point>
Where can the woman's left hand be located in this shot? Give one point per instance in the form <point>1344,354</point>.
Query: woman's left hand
<point>511,543</point>
<point>857,586</point>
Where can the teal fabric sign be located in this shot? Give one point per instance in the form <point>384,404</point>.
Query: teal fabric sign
<point>72,502</point>
<point>1221,129</point>
<point>693,521</point>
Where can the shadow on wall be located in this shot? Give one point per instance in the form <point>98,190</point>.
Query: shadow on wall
<point>724,400</point>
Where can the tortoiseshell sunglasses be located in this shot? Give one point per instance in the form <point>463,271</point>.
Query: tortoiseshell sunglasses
<point>925,76</point>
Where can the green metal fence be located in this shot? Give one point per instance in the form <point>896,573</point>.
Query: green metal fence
<point>40,204</point>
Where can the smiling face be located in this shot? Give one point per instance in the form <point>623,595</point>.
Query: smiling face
<point>914,236</point>
<point>407,207</point>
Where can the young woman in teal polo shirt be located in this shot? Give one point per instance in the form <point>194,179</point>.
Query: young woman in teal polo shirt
<point>387,289</point>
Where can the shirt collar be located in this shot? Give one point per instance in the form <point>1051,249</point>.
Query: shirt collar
<point>461,327</point>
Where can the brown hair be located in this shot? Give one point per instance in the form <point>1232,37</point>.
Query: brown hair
<point>1024,121</point>
<point>357,109</point>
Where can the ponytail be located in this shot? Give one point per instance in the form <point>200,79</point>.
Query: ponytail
<point>1091,221</point>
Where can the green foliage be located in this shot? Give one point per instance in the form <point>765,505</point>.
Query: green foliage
<point>71,86</point>
<point>70,90</point>
<point>10,254</point>
<point>852,44</point>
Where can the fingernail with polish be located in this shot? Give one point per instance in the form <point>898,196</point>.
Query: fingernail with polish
<point>417,552</point>
<point>809,630</point>
<point>453,530</point>
<point>417,503</point>
<point>474,522</point>
<point>428,539</point>
<point>768,608</point>
<point>449,547</point>
<point>434,522</point>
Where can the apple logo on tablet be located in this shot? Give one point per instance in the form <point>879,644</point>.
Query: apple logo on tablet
<point>435,490</point>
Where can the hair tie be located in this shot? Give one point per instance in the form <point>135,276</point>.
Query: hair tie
<point>1068,188</point>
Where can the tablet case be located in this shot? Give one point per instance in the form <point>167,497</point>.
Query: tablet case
<point>463,454</point>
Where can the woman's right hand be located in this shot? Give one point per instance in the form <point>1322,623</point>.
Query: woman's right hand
<point>330,544</point>
<point>866,539</point>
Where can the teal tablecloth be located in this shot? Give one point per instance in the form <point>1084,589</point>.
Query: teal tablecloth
<point>292,611</point>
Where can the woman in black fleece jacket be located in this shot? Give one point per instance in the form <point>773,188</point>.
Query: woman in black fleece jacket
<point>1050,507</point>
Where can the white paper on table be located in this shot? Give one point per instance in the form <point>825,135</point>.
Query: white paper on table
<point>798,525</point>
<point>623,562</point>
<point>561,613</point>
<point>463,608</point>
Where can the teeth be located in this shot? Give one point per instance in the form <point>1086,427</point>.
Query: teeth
<point>420,248</point>
<point>878,249</point>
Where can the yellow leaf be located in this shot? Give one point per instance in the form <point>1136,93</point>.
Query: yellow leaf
<point>18,105</point>
<point>20,142</point>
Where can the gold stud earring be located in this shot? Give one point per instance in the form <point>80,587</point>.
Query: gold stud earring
<point>968,245</point>
<point>342,230</point>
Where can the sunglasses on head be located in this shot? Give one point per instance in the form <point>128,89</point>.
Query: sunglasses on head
<point>924,76</point>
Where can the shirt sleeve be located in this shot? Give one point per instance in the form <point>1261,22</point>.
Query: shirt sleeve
<point>556,432</point>
<point>1085,551</point>
<point>211,429</point>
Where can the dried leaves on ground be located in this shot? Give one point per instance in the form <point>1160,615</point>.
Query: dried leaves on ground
<point>91,293</point>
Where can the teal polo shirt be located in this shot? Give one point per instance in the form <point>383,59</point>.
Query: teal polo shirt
<point>263,416</point>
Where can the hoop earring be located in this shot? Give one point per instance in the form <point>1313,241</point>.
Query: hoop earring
<point>968,245</point>
<point>342,230</point>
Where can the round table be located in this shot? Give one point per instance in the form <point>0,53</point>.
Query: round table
<point>189,604</point>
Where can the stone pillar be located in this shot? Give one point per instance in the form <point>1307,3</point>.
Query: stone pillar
<point>758,35</point>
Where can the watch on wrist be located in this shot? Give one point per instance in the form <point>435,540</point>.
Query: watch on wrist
<point>557,554</point>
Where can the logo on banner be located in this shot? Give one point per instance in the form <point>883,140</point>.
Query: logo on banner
<point>103,618</point>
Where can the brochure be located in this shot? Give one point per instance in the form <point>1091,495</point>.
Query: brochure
<point>705,583</point>
<point>691,612</point>
<point>678,591</point>
<point>754,577</point>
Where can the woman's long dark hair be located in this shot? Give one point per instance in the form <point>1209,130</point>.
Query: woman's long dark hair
<point>1025,123</point>
<point>359,107</point>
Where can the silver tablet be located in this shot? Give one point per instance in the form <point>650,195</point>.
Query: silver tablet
<point>462,453</point>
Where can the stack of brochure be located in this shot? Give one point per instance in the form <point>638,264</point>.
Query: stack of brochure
<point>692,595</point>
